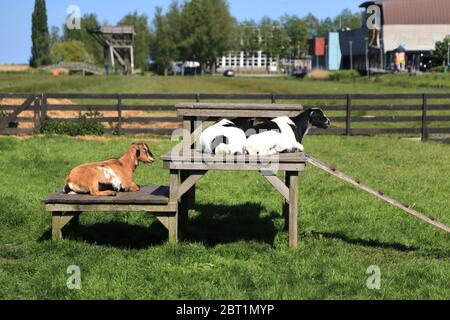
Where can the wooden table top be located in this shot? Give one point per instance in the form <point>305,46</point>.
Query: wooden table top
<point>236,110</point>
<point>197,156</point>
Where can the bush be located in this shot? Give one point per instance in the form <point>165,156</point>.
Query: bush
<point>4,114</point>
<point>84,126</point>
<point>439,69</point>
<point>344,75</point>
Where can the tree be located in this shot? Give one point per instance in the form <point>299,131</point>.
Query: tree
<point>297,32</point>
<point>142,38</point>
<point>440,53</point>
<point>70,51</point>
<point>312,24</point>
<point>40,52</point>
<point>95,49</point>
<point>55,36</point>
<point>208,31</point>
<point>163,49</point>
<point>248,37</point>
<point>347,19</point>
<point>274,40</point>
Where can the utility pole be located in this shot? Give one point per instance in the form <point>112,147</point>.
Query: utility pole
<point>448,55</point>
<point>351,54</point>
<point>367,56</point>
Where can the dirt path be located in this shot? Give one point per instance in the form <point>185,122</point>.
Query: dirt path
<point>75,114</point>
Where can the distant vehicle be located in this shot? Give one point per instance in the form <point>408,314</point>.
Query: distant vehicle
<point>300,72</point>
<point>229,73</point>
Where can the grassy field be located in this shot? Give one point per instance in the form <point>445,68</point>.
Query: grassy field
<point>26,83</point>
<point>234,246</point>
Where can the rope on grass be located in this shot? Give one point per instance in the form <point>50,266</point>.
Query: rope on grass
<point>379,194</point>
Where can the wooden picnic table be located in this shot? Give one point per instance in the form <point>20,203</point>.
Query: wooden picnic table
<point>187,164</point>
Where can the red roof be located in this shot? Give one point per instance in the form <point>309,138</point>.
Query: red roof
<point>414,11</point>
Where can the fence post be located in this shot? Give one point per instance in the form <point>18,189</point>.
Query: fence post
<point>273,98</point>
<point>197,97</point>
<point>43,106</point>
<point>348,124</point>
<point>424,118</point>
<point>36,113</point>
<point>119,114</point>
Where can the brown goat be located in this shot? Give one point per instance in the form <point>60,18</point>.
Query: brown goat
<point>108,177</point>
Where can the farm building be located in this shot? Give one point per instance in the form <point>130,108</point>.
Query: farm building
<point>242,62</point>
<point>408,32</point>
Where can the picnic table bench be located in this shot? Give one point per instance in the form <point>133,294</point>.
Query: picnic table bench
<point>67,208</point>
<point>187,165</point>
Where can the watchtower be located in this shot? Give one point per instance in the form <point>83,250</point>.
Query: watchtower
<point>118,44</point>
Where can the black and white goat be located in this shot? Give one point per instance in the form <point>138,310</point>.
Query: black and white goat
<point>284,134</point>
<point>223,138</point>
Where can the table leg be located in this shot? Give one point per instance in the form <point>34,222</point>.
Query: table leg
<point>184,202</point>
<point>173,220</point>
<point>285,204</point>
<point>293,208</point>
<point>56,225</point>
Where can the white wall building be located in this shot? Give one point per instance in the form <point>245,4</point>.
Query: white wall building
<point>240,62</point>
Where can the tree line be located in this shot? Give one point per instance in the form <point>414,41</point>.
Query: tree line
<point>194,30</point>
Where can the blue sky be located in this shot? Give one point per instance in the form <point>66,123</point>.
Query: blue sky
<point>15,16</point>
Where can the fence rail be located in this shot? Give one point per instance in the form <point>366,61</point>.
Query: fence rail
<point>119,109</point>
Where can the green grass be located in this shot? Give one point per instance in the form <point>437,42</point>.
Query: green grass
<point>27,83</point>
<point>233,246</point>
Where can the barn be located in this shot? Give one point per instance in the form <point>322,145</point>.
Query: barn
<point>409,30</point>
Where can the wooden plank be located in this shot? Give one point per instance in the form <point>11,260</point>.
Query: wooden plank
<point>190,181</point>
<point>150,107</point>
<point>317,163</point>
<point>79,107</point>
<point>7,107</point>
<point>293,209</point>
<point>439,107</point>
<point>156,131</point>
<point>173,221</point>
<point>387,96</point>
<point>197,156</point>
<point>56,226</point>
<point>17,131</point>
<point>276,183</point>
<point>285,203</point>
<point>424,132</point>
<point>239,106</point>
<point>19,109</point>
<point>221,96</point>
<point>152,119</point>
<point>439,130</point>
<point>91,96</point>
<point>367,131</point>
<point>327,107</point>
<point>390,107</point>
<point>14,96</point>
<point>147,195</point>
<point>387,119</point>
<point>348,116</point>
<point>311,96</point>
<point>234,166</point>
<point>169,208</point>
<point>221,113</point>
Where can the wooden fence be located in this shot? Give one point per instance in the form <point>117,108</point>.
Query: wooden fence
<point>345,111</point>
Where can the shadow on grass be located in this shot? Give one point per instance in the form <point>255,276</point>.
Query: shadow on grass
<point>213,224</point>
<point>364,242</point>
<point>218,224</point>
